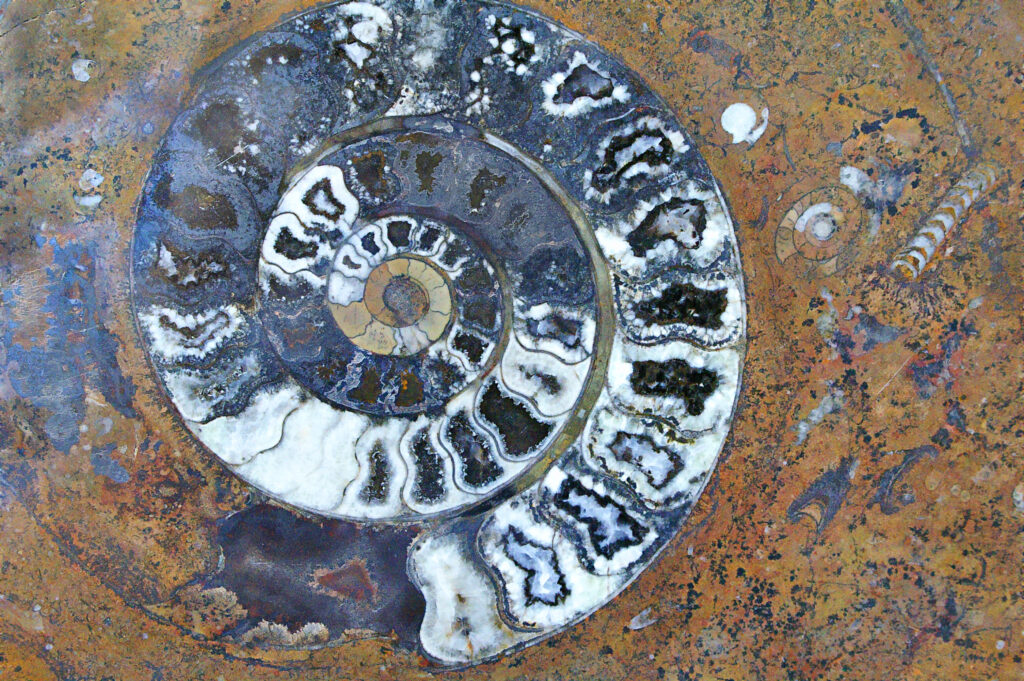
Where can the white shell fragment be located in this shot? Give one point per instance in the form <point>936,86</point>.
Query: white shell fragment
<point>740,121</point>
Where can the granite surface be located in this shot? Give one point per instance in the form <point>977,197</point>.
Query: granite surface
<point>865,518</point>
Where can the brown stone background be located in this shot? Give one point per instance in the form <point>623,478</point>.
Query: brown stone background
<point>886,545</point>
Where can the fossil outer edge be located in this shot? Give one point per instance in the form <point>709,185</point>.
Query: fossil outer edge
<point>455,266</point>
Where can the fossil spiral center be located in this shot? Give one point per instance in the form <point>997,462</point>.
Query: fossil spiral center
<point>823,228</point>
<point>406,305</point>
<point>406,300</point>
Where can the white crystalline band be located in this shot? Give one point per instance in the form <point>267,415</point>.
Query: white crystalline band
<point>685,225</point>
<point>174,335</point>
<point>597,89</point>
<point>549,384</point>
<point>558,330</point>
<point>320,198</point>
<point>664,467</point>
<point>297,239</point>
<point>461,623</point>
<point>611,535</point>
<point>544,583</point>
<point>683,307</point>
<point>625,155</point>
<point>713,374</point>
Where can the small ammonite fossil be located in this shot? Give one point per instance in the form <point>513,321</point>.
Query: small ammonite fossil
<point>455,267</point>
<point>818,235</point>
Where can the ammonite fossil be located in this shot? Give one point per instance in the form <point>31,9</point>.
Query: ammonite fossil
<point>819,235</point>
<point>456,268</point>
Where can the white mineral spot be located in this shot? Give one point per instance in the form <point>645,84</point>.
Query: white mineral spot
<point>642,619</point>
<point>366,32</point>
<point>357,53</point>
<point>89,180</point>
<point>80,69</point>
<point>740,121</point>
<point>856,179</point>
<point>823,229</point>
<point>90,201</point>
<point>424,58</point>
<point>1018,497</point>
<point>830,404</point>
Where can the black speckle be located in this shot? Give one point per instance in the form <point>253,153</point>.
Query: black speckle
<point>677,378</point>
<point>685,304</point>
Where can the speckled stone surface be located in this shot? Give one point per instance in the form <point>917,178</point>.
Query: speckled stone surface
<point>865,519</point>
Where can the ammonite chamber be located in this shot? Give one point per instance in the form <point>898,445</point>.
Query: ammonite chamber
<point>452,267</point>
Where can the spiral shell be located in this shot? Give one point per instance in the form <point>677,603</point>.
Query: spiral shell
<point>818,235</point>
<point>451,266</point>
